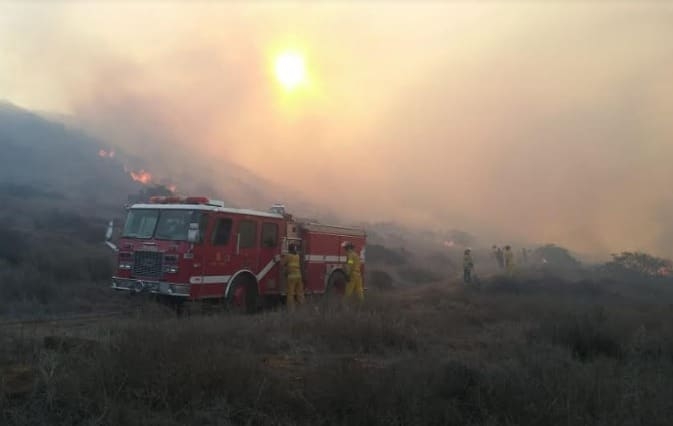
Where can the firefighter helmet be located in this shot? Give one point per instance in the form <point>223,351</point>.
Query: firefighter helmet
<point>347,245</point>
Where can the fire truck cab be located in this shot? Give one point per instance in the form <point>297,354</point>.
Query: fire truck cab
<point>195,248</point>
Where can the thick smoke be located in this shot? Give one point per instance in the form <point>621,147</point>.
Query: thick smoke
<point>517,122</point>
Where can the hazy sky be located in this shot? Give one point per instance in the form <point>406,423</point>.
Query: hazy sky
<point>532,122</point>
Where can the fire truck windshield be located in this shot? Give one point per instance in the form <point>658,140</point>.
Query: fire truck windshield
<point>140,223</point>
<point>162,224</point>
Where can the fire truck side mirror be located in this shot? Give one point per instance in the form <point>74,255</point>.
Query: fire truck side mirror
<point>108,233</point>
<point>108,236</point>
<point>193,235</point>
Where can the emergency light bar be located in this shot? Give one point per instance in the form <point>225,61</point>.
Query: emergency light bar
<point>158,199</point>
<point>196,200</point>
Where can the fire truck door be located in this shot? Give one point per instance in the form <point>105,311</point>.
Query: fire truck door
<point>246,249</point>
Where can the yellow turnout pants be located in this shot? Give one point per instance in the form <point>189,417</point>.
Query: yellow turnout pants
<point>510,269</point>
<point>295,287</point>
<point>355,284</point>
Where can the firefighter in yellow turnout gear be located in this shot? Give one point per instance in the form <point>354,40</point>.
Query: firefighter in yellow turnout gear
<point>295,284</point>
<point>509,260</point>
<point>353,273</point>
<point>468,266</point>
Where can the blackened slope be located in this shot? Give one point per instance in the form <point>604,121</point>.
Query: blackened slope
<point>41,158</point>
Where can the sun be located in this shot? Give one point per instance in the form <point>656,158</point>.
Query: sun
<point>290,70</point>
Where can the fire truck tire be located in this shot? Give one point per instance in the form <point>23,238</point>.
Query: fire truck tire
<point>243,295</point>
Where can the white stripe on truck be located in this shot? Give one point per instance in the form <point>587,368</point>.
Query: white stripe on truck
<point>321,258</point>
<point>266,269</point>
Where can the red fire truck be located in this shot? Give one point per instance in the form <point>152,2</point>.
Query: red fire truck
<point>195,248</point>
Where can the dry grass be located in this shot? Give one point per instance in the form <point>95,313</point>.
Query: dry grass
<point>507,354</point>
<point>54,268</point>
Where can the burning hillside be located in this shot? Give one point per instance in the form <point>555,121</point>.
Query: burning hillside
<point>146,178</point>
<point>140,175</point>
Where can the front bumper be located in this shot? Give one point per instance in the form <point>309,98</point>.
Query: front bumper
<point>149,286</point>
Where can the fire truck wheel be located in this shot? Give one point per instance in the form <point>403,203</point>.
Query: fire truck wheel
<point>243,296</point>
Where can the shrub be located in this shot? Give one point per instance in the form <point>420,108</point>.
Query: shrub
<point>555,257</point>
<point>586,335</point>
<point>638,264</point>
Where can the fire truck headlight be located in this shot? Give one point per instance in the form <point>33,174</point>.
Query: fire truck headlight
<point>125,265</point>
<point>170,269</point>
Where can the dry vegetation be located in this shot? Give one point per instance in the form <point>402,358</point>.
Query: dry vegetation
<point>589,348</point>
<point>52,272</point>
<point>52,256</point>
<point>524,352</point>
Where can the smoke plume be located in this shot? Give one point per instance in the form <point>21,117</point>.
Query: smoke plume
<point>518,122</point>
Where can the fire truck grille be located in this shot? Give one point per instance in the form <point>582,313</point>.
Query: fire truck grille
<point>147,264</point>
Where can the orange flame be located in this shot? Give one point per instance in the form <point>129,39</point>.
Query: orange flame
<point>146,178</point>
<point>142,176</point>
